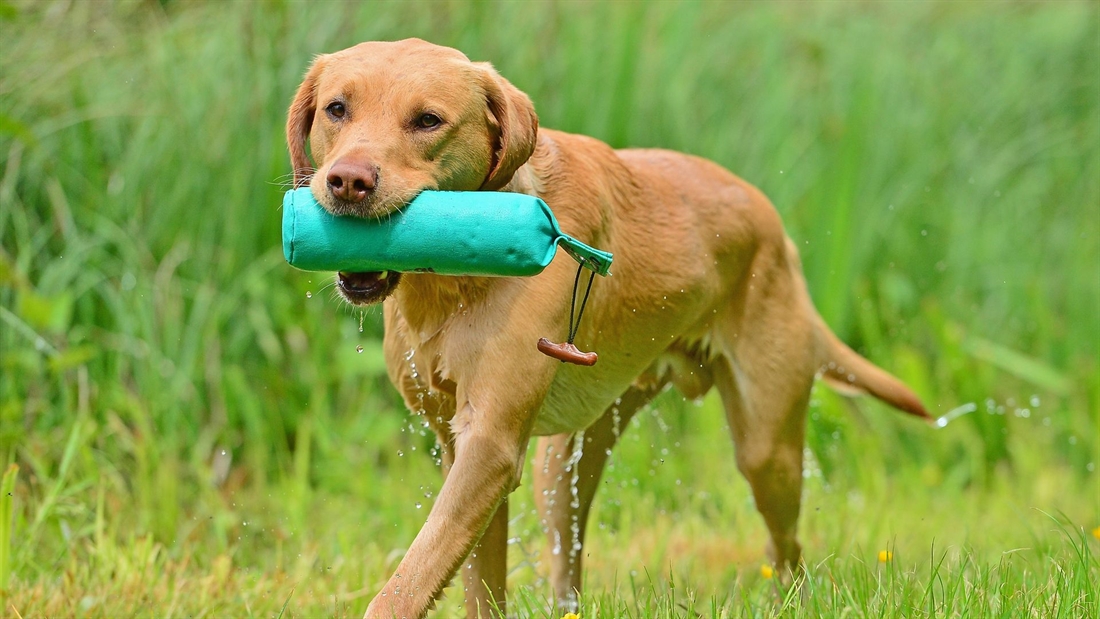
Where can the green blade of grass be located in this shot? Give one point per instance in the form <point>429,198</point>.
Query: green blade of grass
<point>7,521</point>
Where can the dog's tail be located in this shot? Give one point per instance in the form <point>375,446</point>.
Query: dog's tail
<point>847,372</point>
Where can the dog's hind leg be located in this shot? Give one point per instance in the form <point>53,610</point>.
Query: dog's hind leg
<point>567,475</point>
<point>769,455</point>
<point>764,378</point>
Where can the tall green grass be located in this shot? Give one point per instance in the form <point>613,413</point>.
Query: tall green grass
<point>177,398</point>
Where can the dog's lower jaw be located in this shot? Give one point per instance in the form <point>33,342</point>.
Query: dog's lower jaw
<point>367,288</point>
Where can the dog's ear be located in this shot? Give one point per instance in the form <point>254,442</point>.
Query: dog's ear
<point>516,127</point>
<point>299,121</point>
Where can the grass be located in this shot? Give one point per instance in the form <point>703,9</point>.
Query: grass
<point>197,435</point>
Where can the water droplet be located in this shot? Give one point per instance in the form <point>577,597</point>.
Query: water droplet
<point>309,295</point>
<point>359,349</point>
<point>419,505</point>
<point>955,413</point>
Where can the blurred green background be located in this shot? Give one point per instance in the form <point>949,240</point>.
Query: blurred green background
<point>165,379</point>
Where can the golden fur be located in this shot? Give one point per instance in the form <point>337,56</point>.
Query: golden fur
<point>706,291</point>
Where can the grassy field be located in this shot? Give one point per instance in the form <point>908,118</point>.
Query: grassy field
<point>196,435</point>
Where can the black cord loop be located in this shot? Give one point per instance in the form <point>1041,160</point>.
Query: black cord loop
<point>575,327</point>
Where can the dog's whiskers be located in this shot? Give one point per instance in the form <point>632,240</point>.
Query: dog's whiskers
<point>288,180</point>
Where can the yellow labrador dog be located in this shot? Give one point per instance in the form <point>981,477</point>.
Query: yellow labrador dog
<point>707,291</point>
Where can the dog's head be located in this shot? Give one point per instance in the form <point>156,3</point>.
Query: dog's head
<point>385,121</point>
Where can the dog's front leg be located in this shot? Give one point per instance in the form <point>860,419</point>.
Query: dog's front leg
<point>487,458</point>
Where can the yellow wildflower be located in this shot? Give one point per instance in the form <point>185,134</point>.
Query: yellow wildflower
<point>1096,532</point>
<point>767,572</point>
<point>885,556</point>
<point>571,616</point>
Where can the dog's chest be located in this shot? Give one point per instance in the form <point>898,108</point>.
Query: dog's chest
<point>576,398</point>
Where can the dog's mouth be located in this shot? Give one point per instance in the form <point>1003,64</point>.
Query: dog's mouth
<point>367,288</point>
<point>366,209</point>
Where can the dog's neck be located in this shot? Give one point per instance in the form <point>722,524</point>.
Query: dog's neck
<point>427,302</point>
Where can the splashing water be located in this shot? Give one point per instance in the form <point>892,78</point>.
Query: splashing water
<point>574,481</point>
<point>616,419</point>
<point>546,460</point>
<point>955,413</point>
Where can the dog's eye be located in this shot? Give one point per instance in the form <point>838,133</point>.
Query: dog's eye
<point>336,109</point>
<point>428,121</point>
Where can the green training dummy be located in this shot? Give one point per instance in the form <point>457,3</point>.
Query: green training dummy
<point>485,233</point>
<point>480,233</point>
